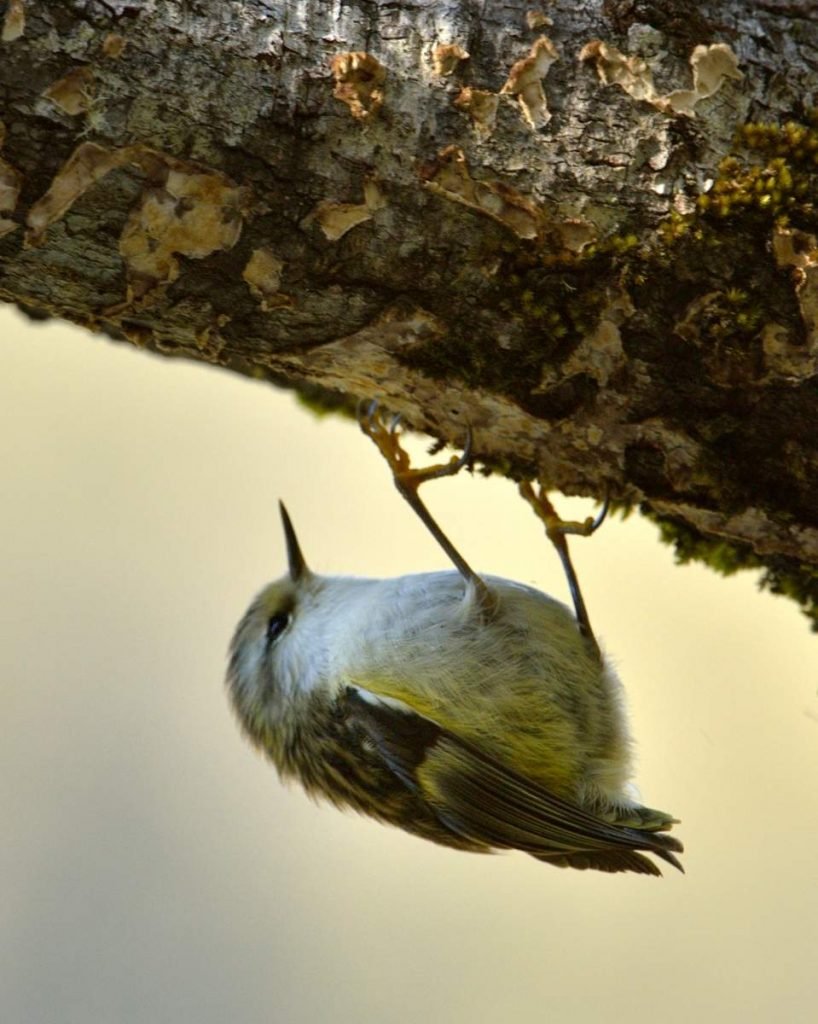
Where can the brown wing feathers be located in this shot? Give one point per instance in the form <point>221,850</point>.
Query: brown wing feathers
<point>477,797</point>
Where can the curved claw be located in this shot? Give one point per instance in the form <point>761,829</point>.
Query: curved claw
<point>466,456</point>
<point>600,516</point>
<point>367,407</point>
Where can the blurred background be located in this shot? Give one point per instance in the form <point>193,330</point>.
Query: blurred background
<point>154,869</point>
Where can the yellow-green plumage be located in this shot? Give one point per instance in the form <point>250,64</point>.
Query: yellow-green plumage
<point>404,699</point>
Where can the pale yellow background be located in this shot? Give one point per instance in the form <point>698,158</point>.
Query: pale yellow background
<point>154,870</point>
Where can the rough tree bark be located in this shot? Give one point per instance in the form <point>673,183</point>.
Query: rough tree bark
<point>585,228</point>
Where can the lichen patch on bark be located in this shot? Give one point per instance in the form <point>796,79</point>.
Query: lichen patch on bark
<point>798,250</point>
<point>480,105</point>
<point>74,92</point>
<point>711,66</point>
<point>335,219</point>
<point>188,211</point>
<point>359,83</point>
<point>113,45</point>
<point>87,164</point>
<point>449,177</point>
<point>14,23</point>
<point>447,58</point>
<point>525,82</point>
<point>11,181</point>
<point>262,272</point>
<point>537,20</point>
<point>193,214</point>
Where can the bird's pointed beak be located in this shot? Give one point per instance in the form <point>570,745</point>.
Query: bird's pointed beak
<point>298,566</point>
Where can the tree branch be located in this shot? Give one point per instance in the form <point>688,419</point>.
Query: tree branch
<point>589,233</point>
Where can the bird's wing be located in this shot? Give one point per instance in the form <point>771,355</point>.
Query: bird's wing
<point>477,797</point>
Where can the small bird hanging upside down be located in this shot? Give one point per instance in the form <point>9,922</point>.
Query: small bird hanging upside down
<point>470,710</point>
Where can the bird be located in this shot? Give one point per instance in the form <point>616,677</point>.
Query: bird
<point>470,710</point>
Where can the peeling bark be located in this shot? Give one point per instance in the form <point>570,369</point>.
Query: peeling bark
<point>589,232</point>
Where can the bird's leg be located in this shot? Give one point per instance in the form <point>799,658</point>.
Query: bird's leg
<point>556,530</point>
<point>408,480</point>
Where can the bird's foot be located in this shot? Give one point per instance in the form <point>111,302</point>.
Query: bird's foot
<point>386,436</point>
<point>555,526</point>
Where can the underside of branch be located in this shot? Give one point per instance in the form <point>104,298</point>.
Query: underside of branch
<point>587,231</point>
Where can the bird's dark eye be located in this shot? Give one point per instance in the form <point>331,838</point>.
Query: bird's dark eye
<point>276,625</point>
